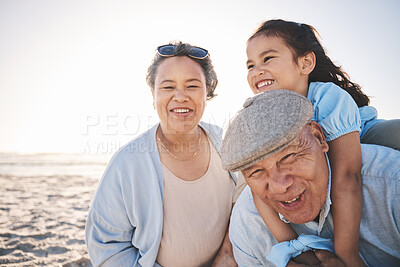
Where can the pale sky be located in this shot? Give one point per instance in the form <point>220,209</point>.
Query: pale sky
<point>72,72</point>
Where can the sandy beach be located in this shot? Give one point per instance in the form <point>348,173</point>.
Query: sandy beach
<point>43,215</point>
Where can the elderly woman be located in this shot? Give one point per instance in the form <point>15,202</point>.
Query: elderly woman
<point>164,198</point>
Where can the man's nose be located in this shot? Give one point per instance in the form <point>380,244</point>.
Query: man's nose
<point>180,95</point>
<point>279,181</point>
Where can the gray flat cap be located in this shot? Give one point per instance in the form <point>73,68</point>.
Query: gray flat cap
<point>267,123</point>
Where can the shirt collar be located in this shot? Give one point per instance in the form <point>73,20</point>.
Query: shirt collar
<point>327,205</point>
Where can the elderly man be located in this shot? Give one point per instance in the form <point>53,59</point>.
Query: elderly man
<point>282,154</point>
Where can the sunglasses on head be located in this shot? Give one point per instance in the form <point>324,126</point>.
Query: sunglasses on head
<point>169,50</point>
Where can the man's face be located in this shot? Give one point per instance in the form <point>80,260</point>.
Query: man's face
<point>294,180</point>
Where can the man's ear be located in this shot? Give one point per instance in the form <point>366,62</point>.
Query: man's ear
<point>307,63</point>
<point>317,132</point>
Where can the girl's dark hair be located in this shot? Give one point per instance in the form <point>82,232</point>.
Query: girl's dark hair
<point>182,49</point>
<point>302,39</point>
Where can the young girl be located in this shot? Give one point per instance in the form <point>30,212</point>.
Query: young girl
<point>287,55</point>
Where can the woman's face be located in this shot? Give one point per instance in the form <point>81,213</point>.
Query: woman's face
<point>179,94</point>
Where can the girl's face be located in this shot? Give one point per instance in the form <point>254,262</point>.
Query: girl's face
<point>271,65</point>
<point>179,94</point>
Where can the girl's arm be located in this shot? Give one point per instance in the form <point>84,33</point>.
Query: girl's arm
<point>282,231</point>
<point>345,159</point>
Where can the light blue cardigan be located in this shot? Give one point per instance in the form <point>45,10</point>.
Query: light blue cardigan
<point>125,220</point>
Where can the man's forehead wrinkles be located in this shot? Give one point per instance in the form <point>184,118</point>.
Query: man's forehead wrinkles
<point>295,145</point>
<point>248,169</point>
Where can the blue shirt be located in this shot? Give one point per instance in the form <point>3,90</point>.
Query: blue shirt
<point>124,224</point>
<point>379,242</point>
<point>336,111</point>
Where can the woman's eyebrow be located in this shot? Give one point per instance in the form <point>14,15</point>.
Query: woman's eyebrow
<point>166,81</point>
<point>194,80</point>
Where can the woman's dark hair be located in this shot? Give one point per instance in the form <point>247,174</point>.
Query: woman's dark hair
<point>302,39</point>
<point>182,49</point>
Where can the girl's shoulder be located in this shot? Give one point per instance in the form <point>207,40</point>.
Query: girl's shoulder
<point>326,91</point>
<point>322,88</point>
<point>334,109</point>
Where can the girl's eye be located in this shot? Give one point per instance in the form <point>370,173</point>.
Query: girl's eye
<point>267,58</point>
<point>250,67</point>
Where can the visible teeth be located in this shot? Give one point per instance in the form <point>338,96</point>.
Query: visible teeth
<point>181,110</point>
<point>263,83</point>
<point>291,201</point>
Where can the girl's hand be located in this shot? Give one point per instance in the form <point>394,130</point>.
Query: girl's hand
<point>307,258</point>
<point>326,258</point>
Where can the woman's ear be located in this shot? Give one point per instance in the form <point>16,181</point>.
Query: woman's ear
<point>307,63</point>
<point>154,99</point>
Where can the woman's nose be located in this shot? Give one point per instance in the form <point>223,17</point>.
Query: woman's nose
<point>180,95</point>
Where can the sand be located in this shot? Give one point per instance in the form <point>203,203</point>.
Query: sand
<point>42,220</point>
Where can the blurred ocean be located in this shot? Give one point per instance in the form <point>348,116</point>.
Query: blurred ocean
<point>53,164</point>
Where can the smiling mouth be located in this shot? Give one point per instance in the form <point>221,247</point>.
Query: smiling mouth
<point>264,83</point>
<point>181,110</point>
<point>292,201</point>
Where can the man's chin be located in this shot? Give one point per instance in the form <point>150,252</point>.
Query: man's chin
<point>299,218</point>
